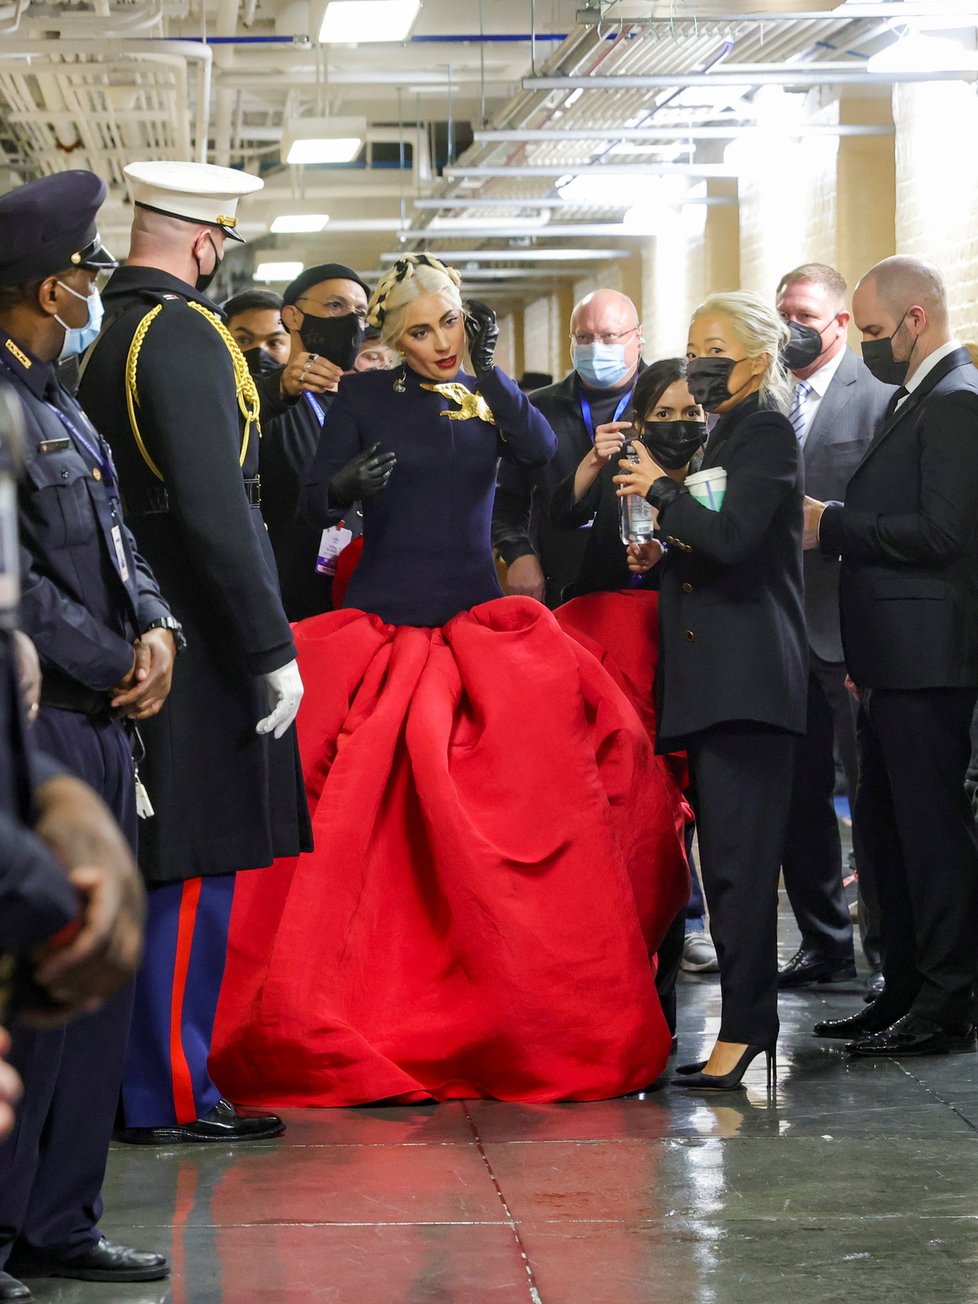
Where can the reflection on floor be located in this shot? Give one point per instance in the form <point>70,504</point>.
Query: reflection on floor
<point>853,1182</point>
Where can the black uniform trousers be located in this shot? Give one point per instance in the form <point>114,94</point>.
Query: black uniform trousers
<point>741,790</point>
<point>812,862</point>
<point>920,845</point>
<point>53,1163</point>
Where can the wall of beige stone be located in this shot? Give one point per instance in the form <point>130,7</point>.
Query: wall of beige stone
<point>847,200</point>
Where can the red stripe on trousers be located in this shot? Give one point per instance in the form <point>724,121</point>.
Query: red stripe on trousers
<point>183,1087</point>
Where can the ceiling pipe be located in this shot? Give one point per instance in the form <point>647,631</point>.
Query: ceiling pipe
<point>844,13</point>
<point>252,79</point>
<point>609,170</point>
<point>553,230</point>
<point>459,201</point>
<point>679,133</point>
<point>543,255</point>
<point>777,75</point>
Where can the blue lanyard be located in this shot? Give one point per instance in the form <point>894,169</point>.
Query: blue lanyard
<point>96,447</point>
<point>588,418</point>
<point>316,406</point>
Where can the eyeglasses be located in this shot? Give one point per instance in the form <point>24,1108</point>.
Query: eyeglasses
<point>606,337</point>
<point>336,307</point>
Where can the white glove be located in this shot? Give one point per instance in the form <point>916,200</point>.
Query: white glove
<point>284,695</point>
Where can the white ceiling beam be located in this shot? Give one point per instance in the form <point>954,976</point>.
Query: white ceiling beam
<point>530,135</point>
<point>609,170</point>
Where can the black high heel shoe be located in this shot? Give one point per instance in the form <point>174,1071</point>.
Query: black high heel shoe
<point>692,1076</point>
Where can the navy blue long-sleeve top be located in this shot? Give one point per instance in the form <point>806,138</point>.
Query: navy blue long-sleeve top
<point>427,551</point>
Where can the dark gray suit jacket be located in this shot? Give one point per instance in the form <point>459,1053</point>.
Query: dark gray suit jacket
<point>838,437</point>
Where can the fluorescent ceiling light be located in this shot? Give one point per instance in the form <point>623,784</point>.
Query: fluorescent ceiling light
<point>323,140</point>
<point>668,153</point>
<point>451,256</point>
<point>923,54</point>
<point>293,223</point>
<point>277,271</point>
<point>599,191</point>
<point>465,224</point>
<point>350,22</point>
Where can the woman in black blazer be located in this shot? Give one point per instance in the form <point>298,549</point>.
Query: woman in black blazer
<point>733,672</point>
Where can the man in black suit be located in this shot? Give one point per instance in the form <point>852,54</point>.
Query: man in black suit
<point>606,349</point>
<point>836,407</point>
<point>909,595</point>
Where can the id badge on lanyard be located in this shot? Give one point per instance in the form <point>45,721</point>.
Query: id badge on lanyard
<point>588,418</point>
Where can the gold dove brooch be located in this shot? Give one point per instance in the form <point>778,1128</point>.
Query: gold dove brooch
<point>469,404</point>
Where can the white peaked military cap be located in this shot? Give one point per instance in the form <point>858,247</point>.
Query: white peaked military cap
<point>194,192</point>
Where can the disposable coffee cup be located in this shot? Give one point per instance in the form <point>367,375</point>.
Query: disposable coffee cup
<point>708,487</point>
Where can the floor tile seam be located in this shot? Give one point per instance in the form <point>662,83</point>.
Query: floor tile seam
<point>669,1220</point>
<point>533,1291</point>
<point>287,1223</point>
<point>933,1092</point>
<point>461,1144</point>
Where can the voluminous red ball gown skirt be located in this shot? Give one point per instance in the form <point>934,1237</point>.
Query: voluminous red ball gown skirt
<point>498,853</point>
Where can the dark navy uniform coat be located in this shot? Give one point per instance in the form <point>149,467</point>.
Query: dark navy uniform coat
<point>86,594</point>
<point>225,798</point>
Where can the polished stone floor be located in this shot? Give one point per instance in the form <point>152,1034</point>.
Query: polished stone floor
<point>852,1182</point>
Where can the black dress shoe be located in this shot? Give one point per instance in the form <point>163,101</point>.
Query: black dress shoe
<point>105,1261</point>
<point>874,1018</point>
<point>913,1035</point>
<point>222,1123</point>
<point>13,1290</point>
<point>875,987</point>
<point>807,966</point>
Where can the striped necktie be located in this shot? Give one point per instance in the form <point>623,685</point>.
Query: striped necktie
<point>796,413</point>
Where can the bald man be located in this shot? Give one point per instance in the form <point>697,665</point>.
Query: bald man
<point>606,339</point>
<point>909,594</point>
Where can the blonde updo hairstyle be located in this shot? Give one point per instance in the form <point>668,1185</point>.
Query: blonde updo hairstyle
<point>762,333</point>
<point>410,278</point>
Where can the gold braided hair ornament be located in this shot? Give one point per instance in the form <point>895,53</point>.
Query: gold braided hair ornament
<point>470,403</point>
<point>244,385</point>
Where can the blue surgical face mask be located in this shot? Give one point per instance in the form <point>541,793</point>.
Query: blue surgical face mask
<point>600,365</point>
<point>78,338</point>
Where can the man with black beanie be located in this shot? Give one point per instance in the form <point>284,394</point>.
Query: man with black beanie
<point>324,310</point>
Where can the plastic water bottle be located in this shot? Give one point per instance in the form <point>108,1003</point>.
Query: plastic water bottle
<point>637,520</point>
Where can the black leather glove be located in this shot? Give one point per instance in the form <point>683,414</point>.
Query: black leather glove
<point>362,477</point>
<point>482,330</point>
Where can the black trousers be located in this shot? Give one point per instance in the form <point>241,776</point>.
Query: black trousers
<point>812,860</point>
<point>919,840</point>
<point>742,776</point>
<point>53,1163</point>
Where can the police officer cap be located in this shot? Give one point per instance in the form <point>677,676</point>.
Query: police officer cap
<point>193,192</point>
<point>48,226</point>
<point>316,275</point>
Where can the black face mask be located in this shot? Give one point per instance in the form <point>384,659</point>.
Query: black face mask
<point>259,360</point>
<point>337,339</point>
<point>878,357</point>
<point>707,379</point>
<point>673,443</point>
<point>802,348</point>
<point>204,278</point>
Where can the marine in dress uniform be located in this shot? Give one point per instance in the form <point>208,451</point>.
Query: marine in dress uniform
<point>93,609</point>
<point>170,388</point>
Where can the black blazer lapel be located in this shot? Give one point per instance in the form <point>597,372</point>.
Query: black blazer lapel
<point>959,358</point>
